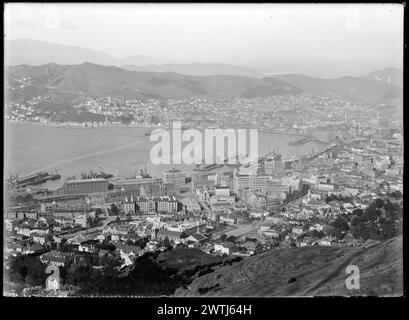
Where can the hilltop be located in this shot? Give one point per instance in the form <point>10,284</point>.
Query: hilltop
<point>387,75</point>
<point>358,90</point>
<point>307,271</point>
<point>67,82</point>
<point>34,52</point>
<point>197,69</point>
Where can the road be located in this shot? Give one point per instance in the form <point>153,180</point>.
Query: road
<point>243,229</point>
<point>104,224</point>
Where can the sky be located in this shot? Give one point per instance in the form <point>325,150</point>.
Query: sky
<point>326,40</point>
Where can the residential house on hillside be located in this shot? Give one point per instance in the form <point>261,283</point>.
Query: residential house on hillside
<point>128,252</point>
<point>54,258</point>
<point>225,248</point>
<point>173,236</point>
<point>197,238</point>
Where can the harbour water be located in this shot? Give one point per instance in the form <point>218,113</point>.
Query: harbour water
<point>118,150</point>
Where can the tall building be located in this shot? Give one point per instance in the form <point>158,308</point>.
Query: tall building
<point>136,183</point>
<point>224,179</point>
<point>175,176</point>
<point>259,182</point>
<point>201,179</point>
<point>129,206</point>
<point>85,186</point>
<point>273,165</point>
<point>144,204</point>
<point>166,204</point>
<point>152,205</point>
<point>241,181</point>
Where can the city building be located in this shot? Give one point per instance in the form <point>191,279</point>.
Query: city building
<point>85,186</point>
<point>175,176</point>
<point>129,206</point>
<point>136,183</point>
<point>166,204</point>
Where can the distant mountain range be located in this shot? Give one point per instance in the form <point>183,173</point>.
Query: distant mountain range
<point>365,90</point>
<point>32,52</point>
<point>198,69</point>
<point>388,75</point>
<point>65,83</point>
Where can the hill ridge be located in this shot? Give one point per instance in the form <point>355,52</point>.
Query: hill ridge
<point>316,271</point>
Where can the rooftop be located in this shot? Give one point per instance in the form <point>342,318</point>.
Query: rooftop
<point>85,180</point>
<point>173,170</point>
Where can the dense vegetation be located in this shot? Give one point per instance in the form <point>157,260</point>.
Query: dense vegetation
<point>152,274</point>
<point>381,220</point>
<point>26,271</point>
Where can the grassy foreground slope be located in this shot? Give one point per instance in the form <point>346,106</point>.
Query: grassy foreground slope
<point>308,271</point>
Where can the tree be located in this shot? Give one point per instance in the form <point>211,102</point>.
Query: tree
<point>372,213</point>
<point>141,242</point>
<point>114,210</point>
<point>379,203</point>
<point>313,234</point>
<point>397,194</point>
<point>90,221</point>
<point>223,237</point>
<point>389,207</point>
<point>374,232</point>
<point>355,220</point>
<point>358,212</point>
<point>27,270</point>
<point>166,242</point>
<point>231,239</point>
<point>388,229</point>
<point>360,231</point>
<point>340,227</point>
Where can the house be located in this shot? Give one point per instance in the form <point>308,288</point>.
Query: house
<point>128,252</point>
<point>297,231</point>
<point>224,248</point>
<point>317,227</point>
<point>41,239</point>
<point>13,248</point>
<point>53,258</point>
<point>102,253</point>
<point>151,246</point>
<point>269,233</point>
<point>86,247</point>
<point>35,249</point>
<point>258,214</point>
<point>325,242</point>
<point>115,237</point>
<point>197,238</point>
<point>302,244</point>
<point>100,237</point>
<point>25,231</point>
<point>251,246</point>
<point>173,236</point>
<point>57,239</point>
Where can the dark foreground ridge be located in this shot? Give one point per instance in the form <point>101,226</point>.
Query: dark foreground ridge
<point>307,271</point>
